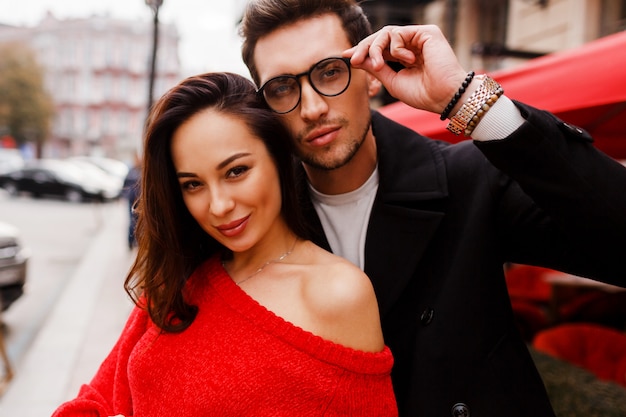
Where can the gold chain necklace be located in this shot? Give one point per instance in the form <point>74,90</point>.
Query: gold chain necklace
<point>271,261</point>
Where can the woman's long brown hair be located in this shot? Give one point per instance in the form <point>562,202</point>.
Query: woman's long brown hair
<point>171,244</point>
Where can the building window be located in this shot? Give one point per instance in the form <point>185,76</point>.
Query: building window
<point>613,18</point>
<point>493,15</point>
<point>108,87</point>
<point>106,121</point>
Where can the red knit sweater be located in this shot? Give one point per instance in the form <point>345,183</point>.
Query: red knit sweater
<point>236,359</point>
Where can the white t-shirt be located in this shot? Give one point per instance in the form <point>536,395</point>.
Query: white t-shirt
<point>345,218</point>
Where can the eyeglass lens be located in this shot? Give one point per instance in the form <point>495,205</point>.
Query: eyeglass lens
<point>329,77</point>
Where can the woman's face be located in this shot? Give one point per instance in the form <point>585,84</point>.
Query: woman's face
<point>229,181</point>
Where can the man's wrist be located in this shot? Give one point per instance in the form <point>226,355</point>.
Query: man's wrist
<point>457,96</point>
<point>469,90</point>
<point>475,106</point>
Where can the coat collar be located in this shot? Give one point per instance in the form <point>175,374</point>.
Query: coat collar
<point>411,166</point>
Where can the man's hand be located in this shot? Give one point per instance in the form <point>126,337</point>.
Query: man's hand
<point>431,75</point>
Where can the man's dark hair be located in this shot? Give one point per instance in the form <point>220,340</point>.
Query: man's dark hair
<point>262,17</point>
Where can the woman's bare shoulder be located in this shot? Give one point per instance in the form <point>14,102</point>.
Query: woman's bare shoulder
<point>342,275</point>
<point>343,298</point>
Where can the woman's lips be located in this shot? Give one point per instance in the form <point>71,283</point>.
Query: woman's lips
<point>233,228</point>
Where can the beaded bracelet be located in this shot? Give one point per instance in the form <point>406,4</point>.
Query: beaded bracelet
<point>482,110</point>
<point>446,112</point>
<point>466,119</point>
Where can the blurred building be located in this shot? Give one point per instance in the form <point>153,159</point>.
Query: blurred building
<point>97,68</point>
<point>97,71</point>
<point>492,34</point>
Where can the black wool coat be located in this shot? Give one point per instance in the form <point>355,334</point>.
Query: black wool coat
<point>445,219</point>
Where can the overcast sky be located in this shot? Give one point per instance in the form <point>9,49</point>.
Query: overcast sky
<point>208,35</point>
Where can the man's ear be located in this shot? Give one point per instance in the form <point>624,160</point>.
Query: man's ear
<point>373,85</point>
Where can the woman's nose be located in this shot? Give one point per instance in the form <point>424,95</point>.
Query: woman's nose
<point>221,203</point>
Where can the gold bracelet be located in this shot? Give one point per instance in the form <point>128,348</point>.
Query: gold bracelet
<point>481,111</point>
<point>474,108</point>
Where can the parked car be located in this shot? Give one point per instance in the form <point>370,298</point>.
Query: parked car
<point>10,159</point>
<point>109,165</point>
<point>110,184</point>
<point>13,265</point>
<point>57,178</point>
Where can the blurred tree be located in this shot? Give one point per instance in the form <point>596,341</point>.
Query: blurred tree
<point>26,108</point>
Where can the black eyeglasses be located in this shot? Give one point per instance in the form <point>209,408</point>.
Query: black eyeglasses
<point>329,77</point>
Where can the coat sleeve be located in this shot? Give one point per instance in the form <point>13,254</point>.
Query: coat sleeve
<point>578,186</point>
<point>108,393</point>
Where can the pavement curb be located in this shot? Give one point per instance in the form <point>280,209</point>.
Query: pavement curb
<point>47,375</point>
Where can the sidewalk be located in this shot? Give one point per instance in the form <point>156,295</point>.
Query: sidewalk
<point>80,330</point>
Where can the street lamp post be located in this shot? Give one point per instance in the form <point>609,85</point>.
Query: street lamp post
<point>154,6</point>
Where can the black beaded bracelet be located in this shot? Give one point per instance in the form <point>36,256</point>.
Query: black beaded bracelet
<point>446,112</point>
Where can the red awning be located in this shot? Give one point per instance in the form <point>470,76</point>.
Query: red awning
<point>585,86</point>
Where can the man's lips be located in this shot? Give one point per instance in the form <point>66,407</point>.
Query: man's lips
<point>322,136</point>
<point>233,228</point>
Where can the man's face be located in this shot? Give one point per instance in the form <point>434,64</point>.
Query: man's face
<point>328,130</point>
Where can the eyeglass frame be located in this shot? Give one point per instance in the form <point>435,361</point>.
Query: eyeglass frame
<point>308,74</point>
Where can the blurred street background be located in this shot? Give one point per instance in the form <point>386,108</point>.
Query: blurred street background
<point>74,305</point>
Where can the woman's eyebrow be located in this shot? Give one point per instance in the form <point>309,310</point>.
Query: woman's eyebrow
<point>231,159</point>
<point>185,175</point>
<point>221,165</point>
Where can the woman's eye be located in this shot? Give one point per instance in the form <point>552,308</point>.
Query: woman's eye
<point>236,171</point>
<point>189,185</point>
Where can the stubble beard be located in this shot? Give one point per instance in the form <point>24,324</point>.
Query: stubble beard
<point>335,156</point>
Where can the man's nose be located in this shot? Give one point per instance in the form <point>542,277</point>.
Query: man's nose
<point>312,104</point>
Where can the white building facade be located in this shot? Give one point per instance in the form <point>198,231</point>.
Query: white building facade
<point>97,71</point>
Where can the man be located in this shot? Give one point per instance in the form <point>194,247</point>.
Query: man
<point>429,222</point>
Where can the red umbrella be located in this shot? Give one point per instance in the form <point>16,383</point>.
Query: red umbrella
<point>585,86</point>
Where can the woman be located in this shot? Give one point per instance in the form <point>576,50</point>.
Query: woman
<point>237,313</point>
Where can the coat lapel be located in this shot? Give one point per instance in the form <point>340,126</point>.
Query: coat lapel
<point>409,206</point>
